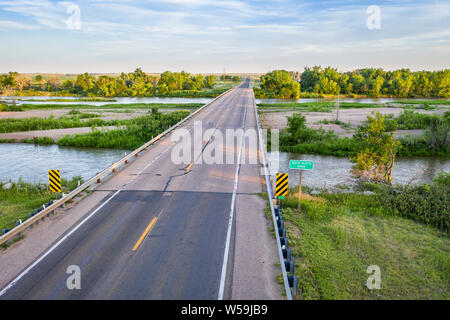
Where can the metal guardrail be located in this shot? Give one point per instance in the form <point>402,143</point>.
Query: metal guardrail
<point>270,195</point>
<point>16,231</point>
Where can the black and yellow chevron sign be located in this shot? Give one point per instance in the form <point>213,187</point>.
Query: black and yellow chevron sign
<point>281,187</point>
<point>54,177</point>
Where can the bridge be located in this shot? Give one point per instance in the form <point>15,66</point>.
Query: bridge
<point>158,229</point>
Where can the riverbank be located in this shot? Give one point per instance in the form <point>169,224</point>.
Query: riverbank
<point>338,235</point>
<point>336,131</point>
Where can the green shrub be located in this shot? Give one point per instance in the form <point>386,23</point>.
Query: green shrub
<point>136,133</point>
<point>39,140</point>
<point>10,107</point>
<point>426,204</point>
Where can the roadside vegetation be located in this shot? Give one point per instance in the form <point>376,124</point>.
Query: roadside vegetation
<point>340,231</point>
<point>21,199</point>
<point>403,230</point>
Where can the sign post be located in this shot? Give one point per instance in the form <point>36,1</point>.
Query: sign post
<point>300,165</point>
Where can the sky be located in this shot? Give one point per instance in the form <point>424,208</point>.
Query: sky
<point>208,36</point>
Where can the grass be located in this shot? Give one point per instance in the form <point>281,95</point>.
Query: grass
<point>11,107</point>
<point>409,120</point>
<point>35,123</point>
<point>39,140</point>
<point>73,100</point>
<point>318,106</point>
<point>318,141</point>
<point>137,132</point>
<point>338,122</point>
<point>424,102</point>
<point>23,198</point>
<point>336,237</point>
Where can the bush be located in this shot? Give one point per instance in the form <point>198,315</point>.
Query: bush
<point>39,140</point>
<point>426,204</point>
<point>10,107</point>
<point>137,132</point>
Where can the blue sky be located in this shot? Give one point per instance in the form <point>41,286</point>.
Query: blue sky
<point>209,35</point>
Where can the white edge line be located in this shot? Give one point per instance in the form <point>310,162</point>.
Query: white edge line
<point>12,283</point>
<point>230,219</point>
<point>269,194</point>
<point>42,257</point>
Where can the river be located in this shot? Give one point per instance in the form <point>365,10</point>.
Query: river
<point>330,171</point>
<point>32,162</point>
<point>123,100</point>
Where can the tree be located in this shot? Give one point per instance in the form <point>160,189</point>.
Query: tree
<point>209,81</point>
<point>38,78</point>
<point>85,83</point>
<point>279,84</point>
<point>21,82</point>
<point>377,159</point>
<point>53,84</point>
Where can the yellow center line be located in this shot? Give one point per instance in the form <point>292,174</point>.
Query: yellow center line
<point>144,233</point>
<point>189,167</point>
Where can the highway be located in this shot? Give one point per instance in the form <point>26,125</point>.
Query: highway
<point>166,230</point>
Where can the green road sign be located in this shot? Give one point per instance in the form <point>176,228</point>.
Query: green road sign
<point>281,197</point>
<point>301,164</point>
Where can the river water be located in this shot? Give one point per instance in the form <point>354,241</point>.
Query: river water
<point>330,171</point>
<point>121,100</point>
<point>32,162</point>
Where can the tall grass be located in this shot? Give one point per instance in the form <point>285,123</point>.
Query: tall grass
<point>51,106</point>
<point>136,133</point>
<point>35,123</point>
<point>23,198</point>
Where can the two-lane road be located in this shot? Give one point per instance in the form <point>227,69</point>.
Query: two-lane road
<point>162,233</point>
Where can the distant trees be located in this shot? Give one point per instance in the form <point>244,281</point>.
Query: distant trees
<point>279,84</point>
<point>210,81</point>
<point>376,82</point>
<point>136,83</point>
<point>8,80</point>
<point>282,84</point>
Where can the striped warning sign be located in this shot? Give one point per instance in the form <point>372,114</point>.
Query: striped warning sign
<point>54,178</point>
<point>281,188</point>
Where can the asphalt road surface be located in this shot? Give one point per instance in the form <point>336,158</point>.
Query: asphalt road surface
<point>160,235</point>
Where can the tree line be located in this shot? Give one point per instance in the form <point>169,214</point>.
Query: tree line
<point>369,82</point>
<point>136,83</point>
